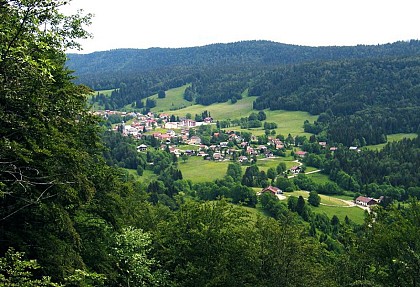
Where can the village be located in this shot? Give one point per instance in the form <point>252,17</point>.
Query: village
<point>175,136</point>
<point>179,137</point>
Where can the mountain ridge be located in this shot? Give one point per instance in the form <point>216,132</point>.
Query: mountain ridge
<point>242,53</point>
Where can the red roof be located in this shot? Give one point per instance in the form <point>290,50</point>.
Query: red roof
<point>272,189</point>
<point>366,200</point>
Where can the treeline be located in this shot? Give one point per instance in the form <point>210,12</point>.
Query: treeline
<point>392,172</point>
<point>360,101</point>
<point>362,93</point>
<point>123,62</point>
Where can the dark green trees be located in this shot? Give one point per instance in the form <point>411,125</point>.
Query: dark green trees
<point>50,162</point>
<point>161,94</point>
<point>314,199</point>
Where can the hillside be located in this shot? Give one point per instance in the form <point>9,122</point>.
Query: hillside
<point>363,92</point>
<point>127,61</point>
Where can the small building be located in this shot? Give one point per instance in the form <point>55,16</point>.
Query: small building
<point>195,140</point>
<point>295,169</point>
<point>300,153</point>
<point>243,159</point>
<point>365,201</point>
<point>142,147</point>
<point>217,156</point>
<point>272,189</point>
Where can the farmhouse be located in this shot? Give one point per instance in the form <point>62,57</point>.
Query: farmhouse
<point>195,140</point>
<point>300,153</point>
<point>142,147</point>
<point>274,190</point>
<point>295,169</point>
<point>365,201</point>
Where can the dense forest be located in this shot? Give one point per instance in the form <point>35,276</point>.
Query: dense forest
<point>71,216</point>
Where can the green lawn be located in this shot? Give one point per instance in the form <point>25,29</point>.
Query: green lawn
<point>354,213</point>
<point>199,170</point>
<point>332,205</point>
<point>288,122</point>
<point>219,111</point>
<point>265,164</point>
<point>319,178</point>
<point>174,100</point>
<point>391,138</point>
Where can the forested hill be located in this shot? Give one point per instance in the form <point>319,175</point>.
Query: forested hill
<point>125,62</point>
<point>362,93</point>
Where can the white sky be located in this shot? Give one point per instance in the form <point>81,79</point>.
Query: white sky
<point>188,23</point>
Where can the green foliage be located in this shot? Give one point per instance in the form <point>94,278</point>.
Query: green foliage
<point>234,170</point>
<point>161,94</point>
<point>16,271</point>
<point>207,244</point>
<point>314,199</point>
<point>131,250</point>
<point>285,184</point>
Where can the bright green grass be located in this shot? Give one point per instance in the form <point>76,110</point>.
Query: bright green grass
<point>107,93</point>
<point>219,111</point>
<point>331,205</point>
<point>319,178</point>
<point>147,176</point>
<point>199,170</point>
<point>96,106</point>
<point>174,100</point>
<point>265,164</point>
<point>185,147</point>
<point>354,213</point>
<point>391,138</point>
<point>288,122</point>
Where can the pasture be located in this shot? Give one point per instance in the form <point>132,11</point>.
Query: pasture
<point>219,111</point>
<point>392,138</point>
<point>197,169</point>
<point>332,205</point>
<point>174,100</point>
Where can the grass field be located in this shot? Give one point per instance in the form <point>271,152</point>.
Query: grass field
<point>197,169</point>
<point>354,213</point>
<point>174,100</point>
<point>331,205</point>
<point>391,138</point>
<point>219,111</point>
<point>319,178</point>
<point>288,122</point>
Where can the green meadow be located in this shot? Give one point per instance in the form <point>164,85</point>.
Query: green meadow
<point>332,205</point>
<point>287,121</point>
<point>175,104</point>
<point>174,100</point>
<point>392,138</point>
<point>219,111</point>
<point>319,178</point>
<point>197,169</point>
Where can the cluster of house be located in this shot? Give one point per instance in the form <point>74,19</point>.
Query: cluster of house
<point>146,122</point>
<point>242,151</point>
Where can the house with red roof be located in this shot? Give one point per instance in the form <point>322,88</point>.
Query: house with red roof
<point>365,201</point>
<point>272,189</point>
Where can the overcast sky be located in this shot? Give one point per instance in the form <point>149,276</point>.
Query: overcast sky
<point>188,23</point>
